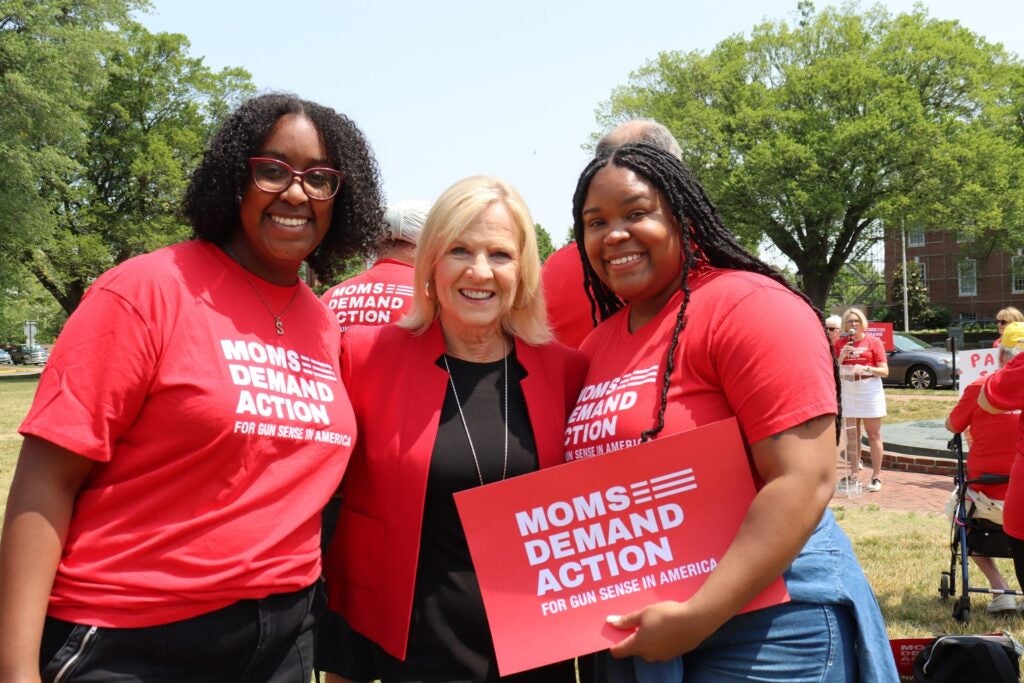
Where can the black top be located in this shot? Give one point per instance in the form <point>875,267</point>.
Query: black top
<point>449,639</point>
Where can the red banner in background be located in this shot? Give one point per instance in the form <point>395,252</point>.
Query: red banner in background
<point>558,550</point>
<point>884,332</point>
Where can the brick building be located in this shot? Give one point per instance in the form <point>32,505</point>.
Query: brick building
<point>959,275</point>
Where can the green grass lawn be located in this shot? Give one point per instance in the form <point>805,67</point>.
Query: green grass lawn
<point>903,553</point>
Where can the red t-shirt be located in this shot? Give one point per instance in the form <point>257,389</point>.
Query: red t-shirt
<point>217,442</point>
<point>868,351</point>
<point>993,439</point>
<point>726,365</point>
<point>566,299</point>
<point>378,296</point>
<point>1004,389</point>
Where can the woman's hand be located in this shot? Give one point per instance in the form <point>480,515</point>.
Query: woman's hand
<point>661,631</point>
<point>797,467</point>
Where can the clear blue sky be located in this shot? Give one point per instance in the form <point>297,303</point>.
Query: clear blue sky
<point>451,88</point>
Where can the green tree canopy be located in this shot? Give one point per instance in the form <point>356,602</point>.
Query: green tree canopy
<point>49,65</point>
<point>134,116</point>
<point>544,244</point>
<point>816,134</point>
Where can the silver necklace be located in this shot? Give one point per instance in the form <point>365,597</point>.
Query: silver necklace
<point>278,325</point>
<point>472,449</point>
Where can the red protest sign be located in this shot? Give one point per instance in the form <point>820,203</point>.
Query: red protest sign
<point>558,550</point>
<point>883,331</point>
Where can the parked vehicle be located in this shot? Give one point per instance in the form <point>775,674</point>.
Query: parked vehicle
<point>29,354</point>
<point>5,358</point>
<point>915,364</point>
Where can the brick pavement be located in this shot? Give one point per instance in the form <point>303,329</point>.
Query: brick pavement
<point>901,490</point>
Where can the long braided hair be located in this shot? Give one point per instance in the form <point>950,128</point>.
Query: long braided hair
<point>703,237</point>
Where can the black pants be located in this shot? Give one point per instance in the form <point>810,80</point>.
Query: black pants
<point>1017,546</point>
<point>250,641</point>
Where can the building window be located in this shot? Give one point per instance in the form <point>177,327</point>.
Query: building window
<point>1017,274</point>
<point>922,268</point>
<point>967,277</point>
<point>915,237</point>
<point>968,317</point>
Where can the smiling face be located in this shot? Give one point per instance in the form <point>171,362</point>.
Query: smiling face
<point>279,230</point>
<point>476,277</point>
<point>632,241</point>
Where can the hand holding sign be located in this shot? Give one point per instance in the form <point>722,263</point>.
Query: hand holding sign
<point>558,550</point>
<point>661,631</point>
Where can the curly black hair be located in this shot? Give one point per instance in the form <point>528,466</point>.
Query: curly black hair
<point>214,192</point>
<point>703,234</point>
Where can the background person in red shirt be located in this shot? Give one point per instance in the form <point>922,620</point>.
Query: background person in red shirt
<point>1003,391</point>
<point>993,445</point>
<point>382,294</point>
<point>833,326</point>
<point>863,364</point>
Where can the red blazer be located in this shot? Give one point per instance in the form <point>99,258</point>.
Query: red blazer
<point>397,391</point>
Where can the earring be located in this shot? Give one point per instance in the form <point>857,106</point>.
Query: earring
<point>426,290</point>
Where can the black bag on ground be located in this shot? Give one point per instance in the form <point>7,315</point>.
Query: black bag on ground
<point>993,658</point>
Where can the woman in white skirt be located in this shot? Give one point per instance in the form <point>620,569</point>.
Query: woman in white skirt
<point>863,364</point>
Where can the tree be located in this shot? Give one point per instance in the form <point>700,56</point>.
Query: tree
<point>917,291</point>
<point>140,126</point>
<point>817,135</point>
<point>49,65</point>
<point>544,245</point>
<point>570,236</point>
<point>920,311</point>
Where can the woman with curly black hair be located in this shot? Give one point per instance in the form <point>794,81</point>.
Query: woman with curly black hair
<point>164,519</point>
<point>693,319</point>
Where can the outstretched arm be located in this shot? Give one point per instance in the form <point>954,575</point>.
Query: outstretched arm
<point>39,505</point>
<point>798,470</point>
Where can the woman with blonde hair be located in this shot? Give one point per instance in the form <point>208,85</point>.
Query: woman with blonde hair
<point>863,364</point>
<point>1004,317</point>
<point>468,389</point>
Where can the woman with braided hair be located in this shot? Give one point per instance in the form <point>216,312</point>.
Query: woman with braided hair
<point>693,319</point>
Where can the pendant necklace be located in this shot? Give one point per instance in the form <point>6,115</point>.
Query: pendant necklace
<point>278,325</point>
<point>504,468</point>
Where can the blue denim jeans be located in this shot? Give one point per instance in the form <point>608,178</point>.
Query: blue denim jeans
<point>844,622</point>
<point>791,643</point>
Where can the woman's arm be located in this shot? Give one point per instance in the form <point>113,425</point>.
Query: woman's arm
<point>798,468</point>
<point>42,495</point>
<point>880,370</point>
<point>959,419</point>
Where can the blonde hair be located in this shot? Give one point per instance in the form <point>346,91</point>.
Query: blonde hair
<point>860,315</point>
<point>451,214</point>
<point>1012,313</point>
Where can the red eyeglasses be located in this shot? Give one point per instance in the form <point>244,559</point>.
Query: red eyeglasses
<point>273,175</point>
